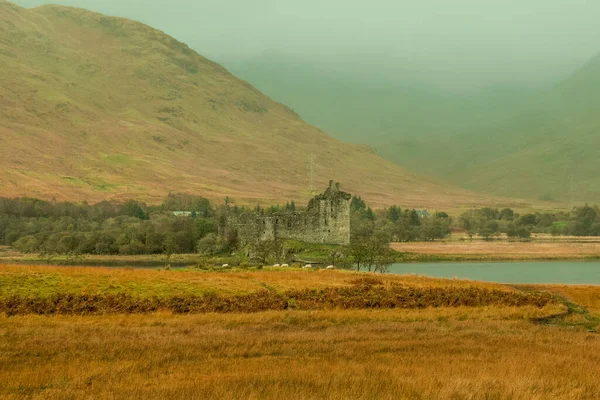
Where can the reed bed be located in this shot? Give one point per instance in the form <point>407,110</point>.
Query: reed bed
<point>72,333</point>
<point>445,353</point>
<point>360,296</point>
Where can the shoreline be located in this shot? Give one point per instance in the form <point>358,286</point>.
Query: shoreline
<point>406,252</point>
<point>429,258</point>
<point>183,260</point>
<point>497,251</point>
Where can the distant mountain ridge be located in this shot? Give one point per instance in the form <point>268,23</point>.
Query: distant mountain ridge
<point>95,107</point>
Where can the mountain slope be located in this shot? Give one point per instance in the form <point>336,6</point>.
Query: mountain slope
<point>95,107</point>
<point>362,104</point>
<point>435,133</point>
<point>545,150</point>
<point>517,142</point>
<point>548,150</point>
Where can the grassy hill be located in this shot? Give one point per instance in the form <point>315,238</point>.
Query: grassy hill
<point>95,107</point>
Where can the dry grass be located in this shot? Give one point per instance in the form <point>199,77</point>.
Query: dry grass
<point>447,354</point>
<point>47,280</point>
<point>87,291</point>
<point>357,297</point>
<point>585,296</point>
<point>503,249</point>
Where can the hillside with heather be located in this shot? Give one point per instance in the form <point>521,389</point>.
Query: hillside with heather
<point>96,107</point>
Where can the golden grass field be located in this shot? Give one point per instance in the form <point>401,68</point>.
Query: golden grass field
<point>497,250</point>
<point>449,353</point>
<point>470,354</point>
<point>44,280</point>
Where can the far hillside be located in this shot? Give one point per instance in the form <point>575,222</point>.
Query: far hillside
<point>511,141</point>
<point>100,108</point>
<point>546,151</point>
<point>362,107</point>
<point>549,150</point>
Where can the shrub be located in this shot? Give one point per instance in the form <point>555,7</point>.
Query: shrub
<point>207,245</point>
<point>366,293</point>
<point>27,244</point>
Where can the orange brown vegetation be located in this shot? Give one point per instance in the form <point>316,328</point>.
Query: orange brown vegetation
<point>359,297</point>
<point>503,249</point>
<point>46,290</point>
<point>458,352</point>
<point>47,280</point>
<point>582,295</point>
<point>442,353</point>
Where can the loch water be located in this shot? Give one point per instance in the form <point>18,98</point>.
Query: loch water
<point>534,272</point>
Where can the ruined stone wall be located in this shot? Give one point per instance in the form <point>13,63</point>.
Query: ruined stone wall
<point>326,220</point>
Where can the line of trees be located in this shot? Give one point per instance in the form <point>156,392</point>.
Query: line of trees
<point>132,228</point>
<point>32,225</point>
<point>491,222</point>
<point>372,232</point>
<point>397,224</point>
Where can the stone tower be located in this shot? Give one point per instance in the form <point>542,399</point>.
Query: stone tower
<point>329,216</point>
<point>326,220</point>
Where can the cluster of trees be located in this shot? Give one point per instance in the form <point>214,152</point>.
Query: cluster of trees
<point>491,222</point>
<point>131,228</point>
<point>372,232</point>
<point>396,224</point>
<point>32,225</point>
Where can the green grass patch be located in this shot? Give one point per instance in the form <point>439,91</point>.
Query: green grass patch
<point>49,284</point>
<point>118,159</point>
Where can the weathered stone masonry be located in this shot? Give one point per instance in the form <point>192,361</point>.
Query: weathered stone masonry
<point>326,220</point>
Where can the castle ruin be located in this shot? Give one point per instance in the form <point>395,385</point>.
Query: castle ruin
<point>325,220</point>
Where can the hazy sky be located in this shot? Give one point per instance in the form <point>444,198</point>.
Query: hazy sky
<point>452,43</point>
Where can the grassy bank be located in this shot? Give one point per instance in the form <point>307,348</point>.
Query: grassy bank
<point>49,280</point>
<point>496,251</point>
<point>89,291</point>
<point>359,296</point>
<point>447,250</point>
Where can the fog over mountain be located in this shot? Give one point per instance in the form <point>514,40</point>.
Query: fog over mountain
<point>498,96</point>
<point>458,45</point>
<point>95,108</point>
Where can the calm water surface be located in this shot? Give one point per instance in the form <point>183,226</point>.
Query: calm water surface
<point>567,272</point>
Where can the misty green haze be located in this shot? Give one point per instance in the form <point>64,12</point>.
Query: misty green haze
<point>495,96</point>
<point>457,44</point>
